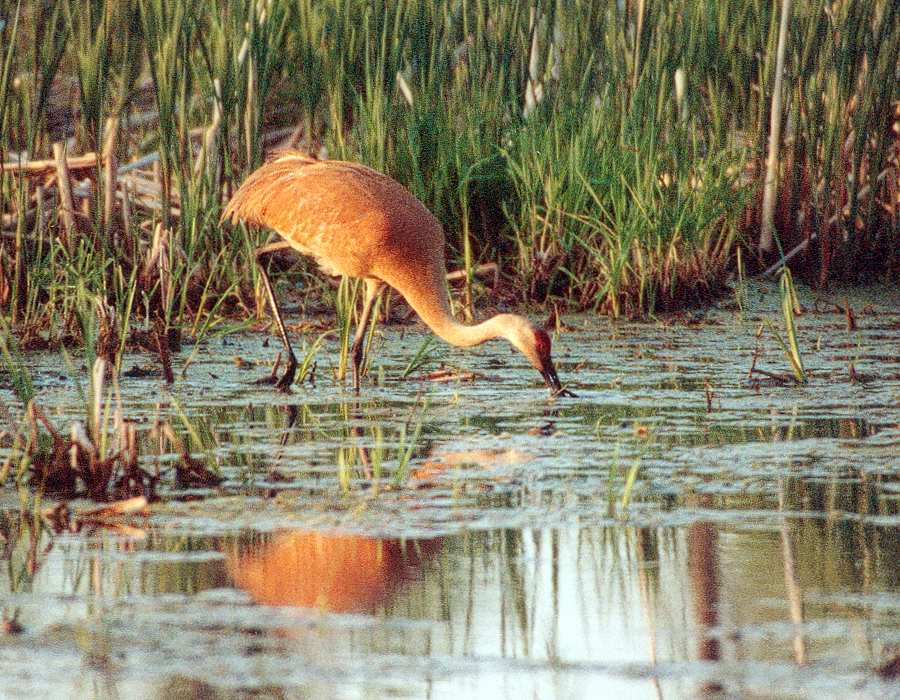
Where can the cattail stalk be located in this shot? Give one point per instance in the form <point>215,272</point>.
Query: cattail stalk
<point>64,186</point>
<point>638,31</point>
<point>110,167</point>
<point>766,237</point>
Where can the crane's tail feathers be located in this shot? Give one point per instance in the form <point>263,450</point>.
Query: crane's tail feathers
<point>248,203</point>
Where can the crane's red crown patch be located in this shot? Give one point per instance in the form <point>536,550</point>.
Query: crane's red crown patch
<point>542,343</point>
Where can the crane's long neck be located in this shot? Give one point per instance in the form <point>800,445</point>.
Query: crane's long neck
<point>428,297</point>
<point>439,319</point>
<point>424,287</point>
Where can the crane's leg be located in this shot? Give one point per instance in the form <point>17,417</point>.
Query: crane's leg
<point>287,378</point>
<point>373,289</point>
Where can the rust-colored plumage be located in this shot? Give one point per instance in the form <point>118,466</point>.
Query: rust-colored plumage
<point>358,222</point>
<point>329,571</point>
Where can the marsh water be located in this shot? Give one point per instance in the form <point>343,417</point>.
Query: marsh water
<point>677,530</point>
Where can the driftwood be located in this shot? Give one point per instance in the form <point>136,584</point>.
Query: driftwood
<point>137,184</point>
<point>480,271</point>
<point>33,168</point>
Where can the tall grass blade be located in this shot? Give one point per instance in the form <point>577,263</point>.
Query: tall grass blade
<point>789,303</point>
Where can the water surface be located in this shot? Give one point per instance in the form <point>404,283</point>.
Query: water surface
<point>473,539</point>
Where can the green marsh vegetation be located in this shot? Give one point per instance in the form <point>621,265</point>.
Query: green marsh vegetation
<point>607,155</point>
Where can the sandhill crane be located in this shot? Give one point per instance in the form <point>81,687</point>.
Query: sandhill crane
<point>358,222</point>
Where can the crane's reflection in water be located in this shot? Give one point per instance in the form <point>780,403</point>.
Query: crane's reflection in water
<point>330,571</point>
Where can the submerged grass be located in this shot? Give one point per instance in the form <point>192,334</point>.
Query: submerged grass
<point>604,154</point>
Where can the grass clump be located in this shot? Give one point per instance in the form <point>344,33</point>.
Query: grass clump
<point>98,458</point>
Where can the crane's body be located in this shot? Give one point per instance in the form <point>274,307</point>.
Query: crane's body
<point>357,222</point>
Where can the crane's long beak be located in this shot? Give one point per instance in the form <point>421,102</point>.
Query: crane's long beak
<point>551,379</point>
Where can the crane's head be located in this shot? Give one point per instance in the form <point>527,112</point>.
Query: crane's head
<point>534,343</point>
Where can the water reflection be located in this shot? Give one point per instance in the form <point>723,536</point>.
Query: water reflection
<point>703,563</point>
<point>759,546</point>
<point>330,572</point>
<point>574,612</point>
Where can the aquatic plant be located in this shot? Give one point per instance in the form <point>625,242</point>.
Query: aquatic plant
<point>406,445</point>
<point>789,307</point>
<point>307,366</point>
<point>424,354</point>
<point>345,309</point>
<point>628,487</point>
<point>14,365</point>
<point>99,455</point>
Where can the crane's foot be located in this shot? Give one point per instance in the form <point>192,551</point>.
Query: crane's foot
<point>357,354</point>
<point>287,379</point>
<point>562,392</point>
<point>284,382</point>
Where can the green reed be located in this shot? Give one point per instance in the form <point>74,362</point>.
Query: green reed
<point>9,34</point>
<point>345,304</point>
<point>424,354</point>
<point>607,156</point>
<point>14,366</point>
<point>789,307</point>
<point>628,487</point>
